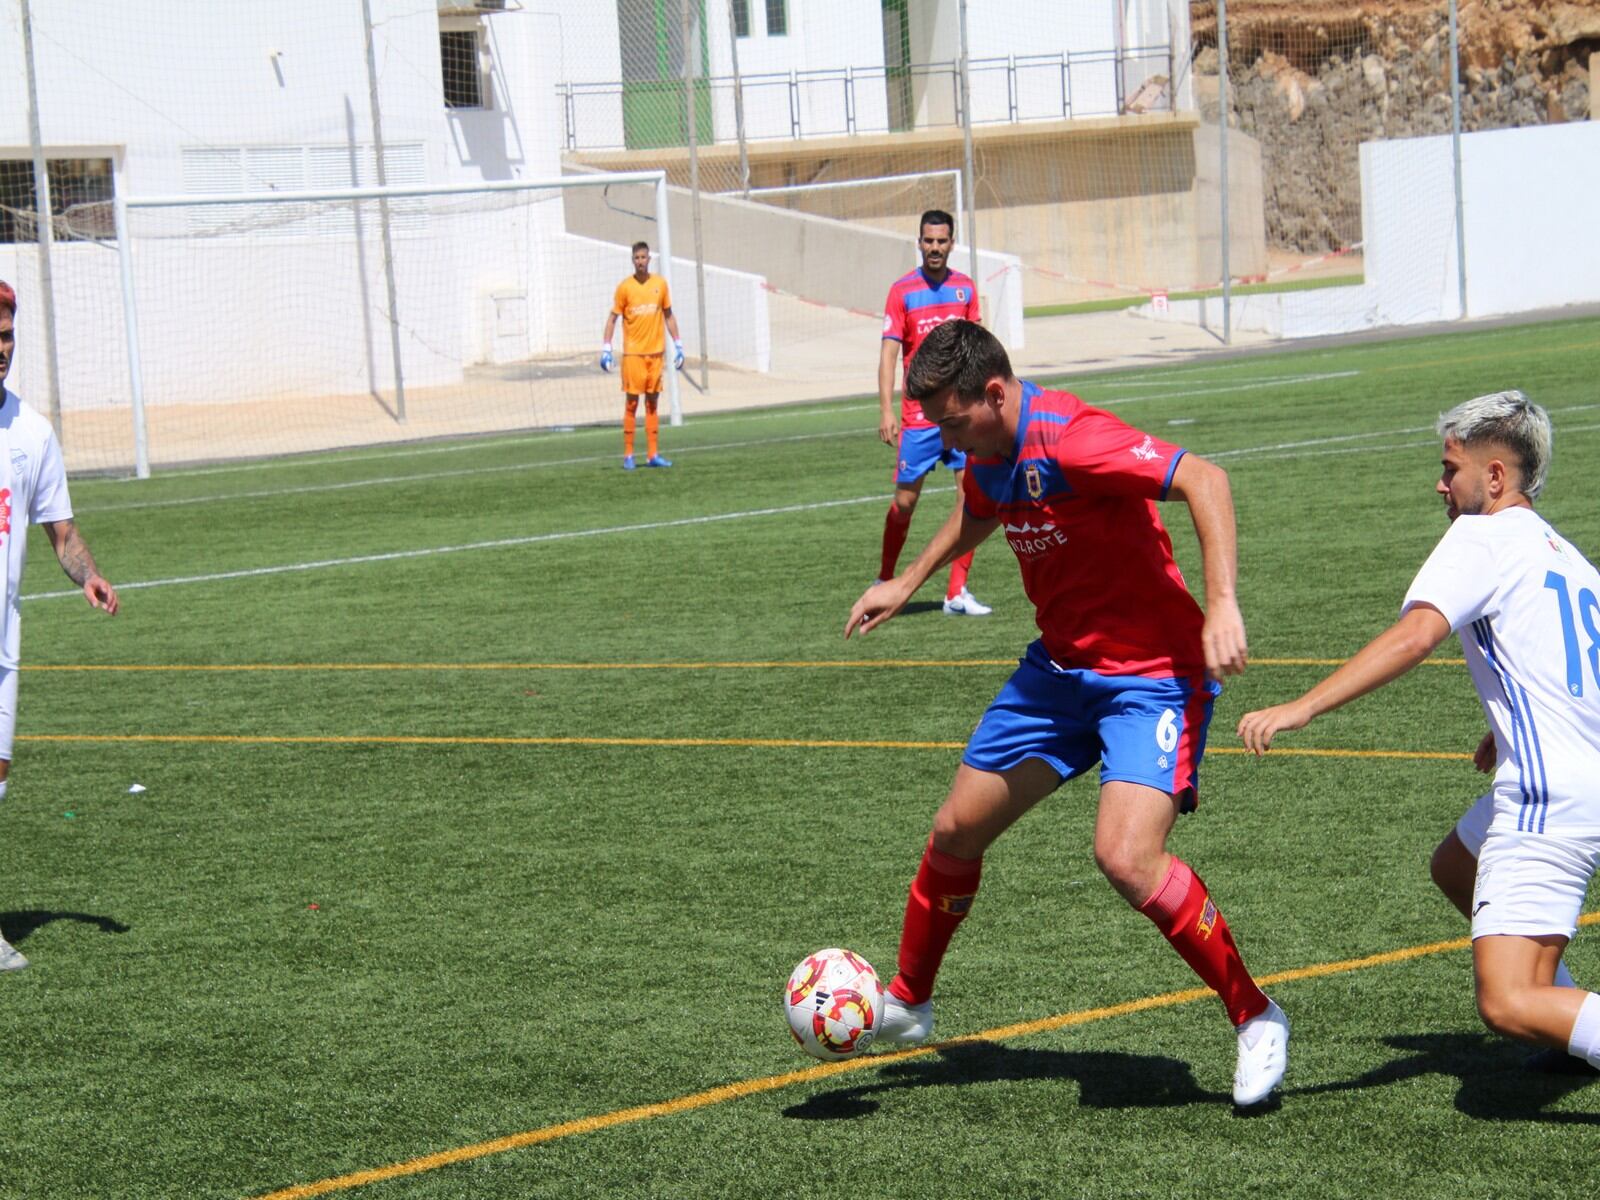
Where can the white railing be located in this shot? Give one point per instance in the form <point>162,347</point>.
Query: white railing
<point>843,101</point>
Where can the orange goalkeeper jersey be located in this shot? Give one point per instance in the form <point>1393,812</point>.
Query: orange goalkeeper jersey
<point>643,309</point>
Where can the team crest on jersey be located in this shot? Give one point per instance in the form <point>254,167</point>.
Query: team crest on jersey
<point>19,461</point>
<point>1555,543</point>
<point>961,295</point>
<point>1034,480</point>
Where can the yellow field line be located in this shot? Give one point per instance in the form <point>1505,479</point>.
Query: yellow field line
<point>378,739</point>
<point>845,664</point>
<point>769,1083</point>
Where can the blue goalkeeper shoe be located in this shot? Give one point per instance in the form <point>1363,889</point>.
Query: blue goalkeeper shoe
<point>627,462</point>
<point>655,460</point>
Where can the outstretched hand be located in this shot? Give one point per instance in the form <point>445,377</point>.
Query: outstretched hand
<point>878,604</point>
<point>1256,729</point>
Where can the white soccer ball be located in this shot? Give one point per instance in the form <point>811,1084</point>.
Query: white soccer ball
<point>834,1002</point>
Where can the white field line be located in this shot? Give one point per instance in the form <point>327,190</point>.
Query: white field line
<point>1306,449</point>
<point>471,445</point>
<point>268,493</point>
<point>496,544</point>
<point>1256,385</point>
<point>580,460</point>
<point>1215,373</point>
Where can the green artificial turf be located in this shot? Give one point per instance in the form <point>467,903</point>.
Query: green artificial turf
<point>304,951</point>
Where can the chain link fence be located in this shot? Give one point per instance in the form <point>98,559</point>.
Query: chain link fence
<point>1245,168</point>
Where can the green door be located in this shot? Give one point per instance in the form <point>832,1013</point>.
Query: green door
<point>897,63</point>
<point>652,42</point>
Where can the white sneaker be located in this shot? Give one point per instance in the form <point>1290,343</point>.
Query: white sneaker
<point>10,957</point>
<point>904,1024</point>
<point>1263,1056</point>
<point>966,605</point>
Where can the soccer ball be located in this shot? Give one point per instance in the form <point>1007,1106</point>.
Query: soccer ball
<point>834,1002</point>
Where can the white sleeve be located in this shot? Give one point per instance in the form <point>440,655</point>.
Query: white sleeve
<point>50,499</point>
<point>1459,578</point>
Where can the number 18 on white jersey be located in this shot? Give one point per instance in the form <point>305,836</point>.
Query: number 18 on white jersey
<point>1527,607</point>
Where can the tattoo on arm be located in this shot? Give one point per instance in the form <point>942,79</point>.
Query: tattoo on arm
<point>75,558</point>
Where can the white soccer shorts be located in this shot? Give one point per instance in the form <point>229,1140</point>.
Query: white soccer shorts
<point>1532,884</point>
<point>8,711</point>
<point>1474,824</point>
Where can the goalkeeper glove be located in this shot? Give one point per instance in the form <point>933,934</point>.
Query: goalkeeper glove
<point>677,354</point>
<point>606,361</point>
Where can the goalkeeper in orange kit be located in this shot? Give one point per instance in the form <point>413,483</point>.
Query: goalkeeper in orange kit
<point>645,306</point>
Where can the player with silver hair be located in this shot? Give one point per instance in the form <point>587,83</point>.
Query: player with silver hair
<point>1524,602</point>
<point>1511,420</point>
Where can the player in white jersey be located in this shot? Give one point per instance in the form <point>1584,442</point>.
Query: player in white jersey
<point>1527,607</point>
<point>33,490</point>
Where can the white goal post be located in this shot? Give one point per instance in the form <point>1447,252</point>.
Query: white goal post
<point>903,183</point>
<point>476,310</point>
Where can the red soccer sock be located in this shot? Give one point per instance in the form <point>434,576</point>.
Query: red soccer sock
<point>652,430</point>
<point>895,529</point>
<point>958,575</point>
<point>941,895</point>
<point>630,418</point>
<point>1184,912</point>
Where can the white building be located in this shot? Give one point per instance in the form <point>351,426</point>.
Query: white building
<point>825,68</point>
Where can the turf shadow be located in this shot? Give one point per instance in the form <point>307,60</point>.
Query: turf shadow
<point>1105,1079</point>
<point>1495,1082</point>
<point>16,926</point>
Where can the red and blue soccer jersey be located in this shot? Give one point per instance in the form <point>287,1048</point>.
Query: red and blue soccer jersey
<point>1078,498</point>
<point>913,308</point>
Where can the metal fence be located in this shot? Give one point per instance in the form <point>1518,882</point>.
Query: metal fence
<point>843,101</point>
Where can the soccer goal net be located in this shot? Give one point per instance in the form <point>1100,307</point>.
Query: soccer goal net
<point>264,324</point>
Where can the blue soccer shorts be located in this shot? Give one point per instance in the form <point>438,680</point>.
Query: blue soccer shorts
<point>1138,730</point>
<point>921,450</point>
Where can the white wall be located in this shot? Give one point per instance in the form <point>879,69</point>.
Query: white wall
<point>1551,174</point>
<point>581,274</point>
<point>835,36</point>
<point>188,94</point>
<point>1531,236</point>
<point>824,35</point>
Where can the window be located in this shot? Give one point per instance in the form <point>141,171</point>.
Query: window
<point>777,18</point>
<point>461,57</point>
<point>741,18</point>
<point>81,190</point>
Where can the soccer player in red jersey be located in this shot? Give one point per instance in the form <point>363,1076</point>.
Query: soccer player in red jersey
<point>1123,675</point>
<point>918,302</point>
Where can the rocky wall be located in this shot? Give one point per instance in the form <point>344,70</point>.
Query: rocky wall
<point>1311,81</point>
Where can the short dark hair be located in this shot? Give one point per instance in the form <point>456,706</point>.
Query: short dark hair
<point>638,246</point>
<point>959,354</point>
<point>936,216</point>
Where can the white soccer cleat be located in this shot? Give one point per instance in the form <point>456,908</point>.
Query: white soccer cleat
<point>11,958</point>
<point>904,1024</point>
<point>1263,1056</point>
<point>966,605</point>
